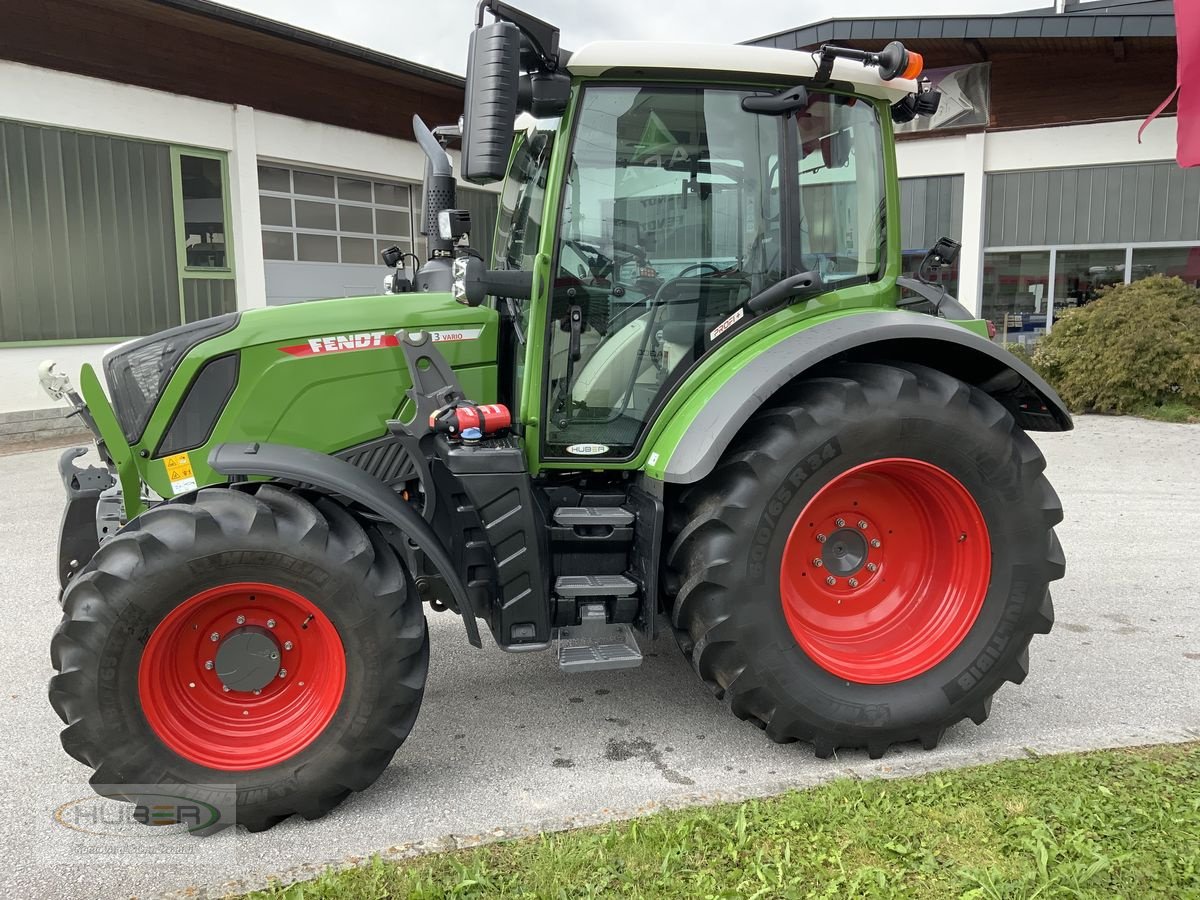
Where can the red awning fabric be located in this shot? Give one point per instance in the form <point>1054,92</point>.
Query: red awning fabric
<point>1187,31</point>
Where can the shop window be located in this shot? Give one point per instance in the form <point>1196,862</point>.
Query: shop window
<point>1016,294</point>
<point>1180,262</point>
<point>1080,275</point>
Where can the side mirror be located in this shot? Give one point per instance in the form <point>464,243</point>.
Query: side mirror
<point>493,70</point>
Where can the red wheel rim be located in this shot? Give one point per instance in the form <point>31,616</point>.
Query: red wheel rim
<point>187,703</point>
<point>885,571</point>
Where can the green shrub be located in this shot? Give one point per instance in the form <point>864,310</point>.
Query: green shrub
<point>1138,345</point>
<point>1021,352</point>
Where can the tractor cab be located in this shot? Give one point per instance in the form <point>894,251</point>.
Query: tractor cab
<point>666,211</point>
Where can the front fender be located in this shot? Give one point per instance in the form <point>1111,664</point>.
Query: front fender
<point>337,476</point>
<point>716,414</point>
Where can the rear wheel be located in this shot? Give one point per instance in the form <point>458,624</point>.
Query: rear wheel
<point>868,561</point>
<point>257,641</point>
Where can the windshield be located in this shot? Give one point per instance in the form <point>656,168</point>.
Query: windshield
<point>679,206</point>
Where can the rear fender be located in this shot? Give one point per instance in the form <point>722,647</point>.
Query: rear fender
<point>336,476</point>
<point>687,456</point>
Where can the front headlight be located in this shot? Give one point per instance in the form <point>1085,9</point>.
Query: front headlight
<point>138,371</point>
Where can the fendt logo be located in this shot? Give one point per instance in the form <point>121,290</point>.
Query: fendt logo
<point>373,340</point>
<point>340,343</point>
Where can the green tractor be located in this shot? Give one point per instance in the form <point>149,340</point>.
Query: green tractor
<point>690,390</point>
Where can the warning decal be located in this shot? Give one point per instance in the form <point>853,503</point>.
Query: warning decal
<point>179,472</point>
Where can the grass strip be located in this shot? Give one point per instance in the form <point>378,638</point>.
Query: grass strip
<point>1114,823</point>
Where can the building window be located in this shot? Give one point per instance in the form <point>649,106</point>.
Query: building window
<point>203,191</point>
<point>315,217</point>
<point>1180,262</point>
<point>1016,294</point>
<point>1080,275</point>
<point>1026,291</point>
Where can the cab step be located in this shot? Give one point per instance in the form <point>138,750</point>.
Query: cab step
<point>573,586</point>
<point>583,516</point>
<point>596,645</point>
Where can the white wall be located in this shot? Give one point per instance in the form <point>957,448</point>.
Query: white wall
<point>19,387</point>
<point>975,155</point>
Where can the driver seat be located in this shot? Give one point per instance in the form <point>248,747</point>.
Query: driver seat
<point>605,377</point>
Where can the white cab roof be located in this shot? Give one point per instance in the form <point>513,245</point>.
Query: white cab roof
<point>603,56</point>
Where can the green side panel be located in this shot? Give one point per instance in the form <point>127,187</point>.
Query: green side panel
<point>324,398</point>
<point>114,439</point>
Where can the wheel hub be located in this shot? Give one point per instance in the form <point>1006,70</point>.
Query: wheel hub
<point>844,553</point>
<point>248,659</point>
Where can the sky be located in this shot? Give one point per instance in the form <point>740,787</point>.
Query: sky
<point>434,32</point>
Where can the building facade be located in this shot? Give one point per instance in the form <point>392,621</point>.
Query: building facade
<point>163,161</point>
<point>1034,160</point>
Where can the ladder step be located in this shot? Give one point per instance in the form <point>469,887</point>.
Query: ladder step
<point>593,649</point>
<point>593,515</point>
<point>594,586</point>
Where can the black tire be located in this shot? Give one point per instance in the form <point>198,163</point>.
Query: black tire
<point>729,531</point>
<point>219,536</point>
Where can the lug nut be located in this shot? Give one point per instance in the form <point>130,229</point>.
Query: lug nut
<point>287,645</point>
<point>283,673</point>
<point>257,692</point>
<point>208,665</point>
<point>191,684</point>
<point>225,688</point>
<point>871,567</point>
<point>862,525</point>
<point>853,582</point>
<point>215,636</point>
<point>820,540</point>
<point>818,562</point>
<point>245,712</point>
<point>839,522</point>
<point>270,623</point>
<point>875,543</point>
<point>831,580</point>
<point>241,620</point>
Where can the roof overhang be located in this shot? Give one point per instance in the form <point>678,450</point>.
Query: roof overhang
<point>1108,21</point>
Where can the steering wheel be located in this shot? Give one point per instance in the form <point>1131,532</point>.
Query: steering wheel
<point>713,269</point>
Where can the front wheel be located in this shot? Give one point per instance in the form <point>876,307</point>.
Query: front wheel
<point>265,647</point>
<point>869,560</point>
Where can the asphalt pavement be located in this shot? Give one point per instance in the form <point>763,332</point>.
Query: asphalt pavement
<point>506,744</point>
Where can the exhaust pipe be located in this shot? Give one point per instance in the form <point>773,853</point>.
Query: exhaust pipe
<point>436,275</point>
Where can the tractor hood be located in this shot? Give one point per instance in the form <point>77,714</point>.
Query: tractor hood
<point>325,375</point>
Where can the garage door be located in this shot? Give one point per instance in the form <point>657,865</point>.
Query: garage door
<point>322,231</point>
